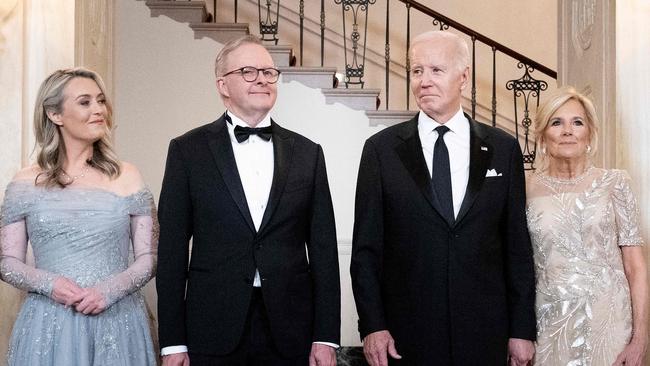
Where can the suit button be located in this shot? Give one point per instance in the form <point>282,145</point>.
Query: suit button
<point>258,246</point>
<point>456,236</point>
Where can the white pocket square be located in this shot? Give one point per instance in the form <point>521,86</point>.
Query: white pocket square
<point>492,173</point>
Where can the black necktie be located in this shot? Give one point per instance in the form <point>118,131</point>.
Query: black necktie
<point>243,133</point>
<point>441,175</point>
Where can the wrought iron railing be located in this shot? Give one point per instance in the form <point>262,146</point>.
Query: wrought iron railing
<point>526,90</point>
<point>269,19</point>
<point>268,26</point>
<point>355,68</point>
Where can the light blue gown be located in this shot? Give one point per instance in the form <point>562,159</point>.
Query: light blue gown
<point>85,235</point>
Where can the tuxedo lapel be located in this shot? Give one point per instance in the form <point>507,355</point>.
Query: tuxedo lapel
<point>479,157</point>
<point>221,149</point>
<point>410,152</point>
<point>282,151</point>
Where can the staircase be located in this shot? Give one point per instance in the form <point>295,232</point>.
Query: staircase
<point>195,14</point>
<point>199,19</point>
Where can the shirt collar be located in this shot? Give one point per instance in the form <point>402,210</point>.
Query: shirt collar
<point>457,124</point>
<point>236,121</point>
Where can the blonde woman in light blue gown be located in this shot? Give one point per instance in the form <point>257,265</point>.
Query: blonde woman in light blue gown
<point>83,212</point>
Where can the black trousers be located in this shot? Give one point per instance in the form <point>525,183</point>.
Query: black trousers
<point>256,348</point>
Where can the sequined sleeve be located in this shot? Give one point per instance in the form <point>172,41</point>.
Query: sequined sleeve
<point>18,200</point>
<point>626,211</point>
<point>144,237</point>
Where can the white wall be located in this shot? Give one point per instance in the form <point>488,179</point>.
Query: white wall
<point>163,85</point>
<point>341,132</point>
<point>632,101</point>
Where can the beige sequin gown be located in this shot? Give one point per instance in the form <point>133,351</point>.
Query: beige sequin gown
<point>584,315</point>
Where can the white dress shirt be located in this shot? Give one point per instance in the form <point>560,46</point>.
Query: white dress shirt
<point>255,161</point>
<point>457,141</point>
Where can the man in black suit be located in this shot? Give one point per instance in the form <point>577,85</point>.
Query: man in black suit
<point>442,268</point>
<point>262,285</point>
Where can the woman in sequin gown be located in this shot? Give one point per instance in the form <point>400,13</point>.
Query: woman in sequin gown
<point>83,212</point>
<point>592,305</point>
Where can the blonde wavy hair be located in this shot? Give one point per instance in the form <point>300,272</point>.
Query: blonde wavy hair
<point>548,108</point>
<point>50,145</point>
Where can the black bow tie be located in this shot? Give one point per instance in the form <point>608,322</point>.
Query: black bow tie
<point>243,133</point>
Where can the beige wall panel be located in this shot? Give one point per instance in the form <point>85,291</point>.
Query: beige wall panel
<point>36,38</point>
<point>94,39</point>
<point>587,60</point>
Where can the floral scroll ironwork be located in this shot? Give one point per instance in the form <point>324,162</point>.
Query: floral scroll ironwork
<point>354,70</point>
<point>440,23</point>
<point>527,89</point>
<point>268,26</point>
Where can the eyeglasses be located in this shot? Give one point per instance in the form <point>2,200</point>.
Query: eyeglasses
<point>250,73</point>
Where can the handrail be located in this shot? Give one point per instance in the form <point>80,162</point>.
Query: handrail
<point>526,90</point>
<point>488,41</point>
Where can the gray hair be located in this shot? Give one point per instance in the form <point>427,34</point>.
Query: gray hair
<point>228,48</point>
<point>461,51</point>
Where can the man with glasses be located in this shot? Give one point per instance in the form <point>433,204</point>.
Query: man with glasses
<point>262,285</point>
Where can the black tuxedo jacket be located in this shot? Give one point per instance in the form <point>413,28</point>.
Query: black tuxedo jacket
<point>450,293</point>
<point>203,304</point>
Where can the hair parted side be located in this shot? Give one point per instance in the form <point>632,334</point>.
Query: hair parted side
<point>50,145</point>
<point>228,48</point>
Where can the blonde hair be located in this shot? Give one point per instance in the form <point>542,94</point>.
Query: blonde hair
<point>50,145</point>
<point>548,108</point>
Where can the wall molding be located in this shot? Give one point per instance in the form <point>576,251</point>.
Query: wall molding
<point>94,38</point>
